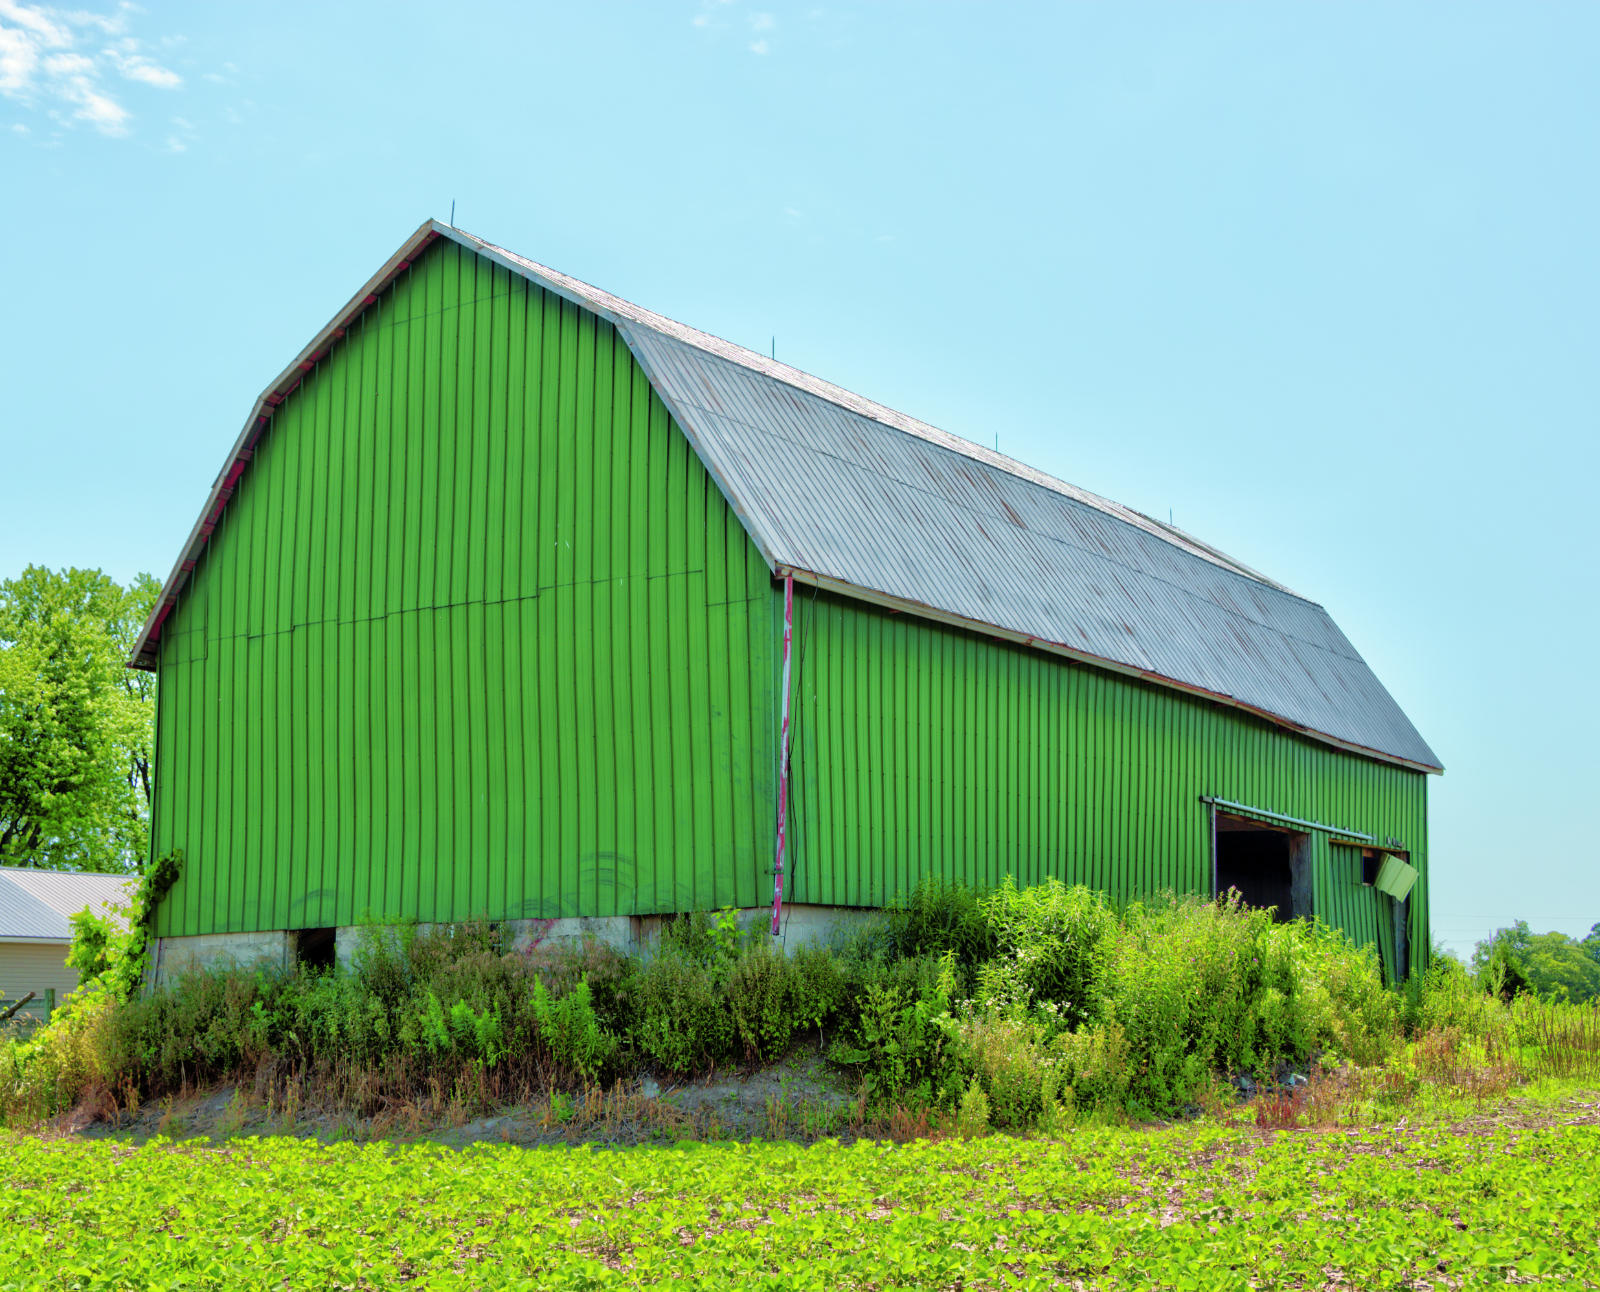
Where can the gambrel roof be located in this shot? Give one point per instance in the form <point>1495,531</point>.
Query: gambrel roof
<point>851,496</point>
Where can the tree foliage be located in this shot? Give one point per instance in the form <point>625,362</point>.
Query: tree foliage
<point>76,725</point>
<point>1550,965</point>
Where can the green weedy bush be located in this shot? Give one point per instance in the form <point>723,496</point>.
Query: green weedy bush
<point>906,1044</point>
<point>1013,1064</point>
<point>709,994</point>
<point>445,1004</point>
<point>679,1010</point>
<point>822,991</point>
<point>939,916</point>
<point>1052,947</point>
<point>1201,987</point>
<point>1095,1065</point>
<point>1075,1012</point>
<point>972,1117</point>
<point>570,1027</point>
<point>763,994</point>
<point>1365,1027</point>
<point>46,1074</point>
<point>1182,981</point>
<point>1446,995</point>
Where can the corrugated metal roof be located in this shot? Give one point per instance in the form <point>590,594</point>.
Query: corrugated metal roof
<point>852,495</point>
<point>35,904</point>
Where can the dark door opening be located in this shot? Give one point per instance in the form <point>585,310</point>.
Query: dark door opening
<point>316,948</point>
<point>1267,866</point>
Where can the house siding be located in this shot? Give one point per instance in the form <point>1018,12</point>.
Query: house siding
<point>37,967</point>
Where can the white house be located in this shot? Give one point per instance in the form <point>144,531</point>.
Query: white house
<point>35,906</point>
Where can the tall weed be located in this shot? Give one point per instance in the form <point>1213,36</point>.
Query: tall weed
<point>1052,947</point>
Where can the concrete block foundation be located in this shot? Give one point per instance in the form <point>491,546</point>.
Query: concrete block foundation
<point>215,950</point>
<point>802,925</point>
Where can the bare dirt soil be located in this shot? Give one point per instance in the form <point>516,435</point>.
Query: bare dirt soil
<point>800,1098</point>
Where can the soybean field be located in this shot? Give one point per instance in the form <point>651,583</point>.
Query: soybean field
<point>1195,1208</point>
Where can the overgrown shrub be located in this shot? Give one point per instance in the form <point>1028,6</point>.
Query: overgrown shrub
<point>680,1016</point>
<point>1052,945</point>
<point>48,1073</point>
<point>1198,987</point>
<point>1038,1006</point>
<point>822,988</point>
<point>570,1027</point>
<point>1447,996</point>
<point>1096,1064</point>
<point>936,918</point>
<point>763,993</point>
<point>906,1046</point>
<point>1011,1061</point>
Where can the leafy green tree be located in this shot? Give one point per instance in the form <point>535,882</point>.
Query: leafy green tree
<point>1591,944</point>
<point>1497,960</point>
<point>1559,968</point>
<point>76,728</point>
<point>1551,965</point>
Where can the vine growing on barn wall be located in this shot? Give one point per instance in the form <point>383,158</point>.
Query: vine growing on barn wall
<point>114,947</point>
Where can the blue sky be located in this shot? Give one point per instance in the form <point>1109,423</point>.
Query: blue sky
<point>1321,281</point>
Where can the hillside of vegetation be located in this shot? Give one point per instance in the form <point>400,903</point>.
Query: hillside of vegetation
<point>1027,1011</point>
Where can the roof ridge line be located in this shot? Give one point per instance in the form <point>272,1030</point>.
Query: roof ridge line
<point>730,351</point>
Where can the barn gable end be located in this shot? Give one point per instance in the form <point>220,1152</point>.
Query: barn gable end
<point>474,635</point>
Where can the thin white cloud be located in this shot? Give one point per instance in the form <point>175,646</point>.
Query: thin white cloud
<point>707,17</point>
<point>45,63</point>
<point>37,22</point>
<point>762,22</point>
<point>101,111</point>
<point>758,47</point>
<point>125,57</point>
<point>68,65</point>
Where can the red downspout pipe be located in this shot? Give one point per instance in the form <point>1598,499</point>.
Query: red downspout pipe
<point>783,755</point>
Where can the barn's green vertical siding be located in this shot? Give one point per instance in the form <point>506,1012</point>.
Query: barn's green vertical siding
<point>476,635</point>
<point>479,635</point>
<point>924,749</point>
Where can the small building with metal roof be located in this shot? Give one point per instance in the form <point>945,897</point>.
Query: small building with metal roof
<point>515,599</point>
<point>35,934</point>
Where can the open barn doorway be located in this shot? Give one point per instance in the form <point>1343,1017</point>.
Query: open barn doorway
<point>1270,866</point>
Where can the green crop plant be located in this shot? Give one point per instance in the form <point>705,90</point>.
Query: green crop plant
<point>1187,1210</point>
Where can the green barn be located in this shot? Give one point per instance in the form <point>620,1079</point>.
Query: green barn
<point>514,600</point>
